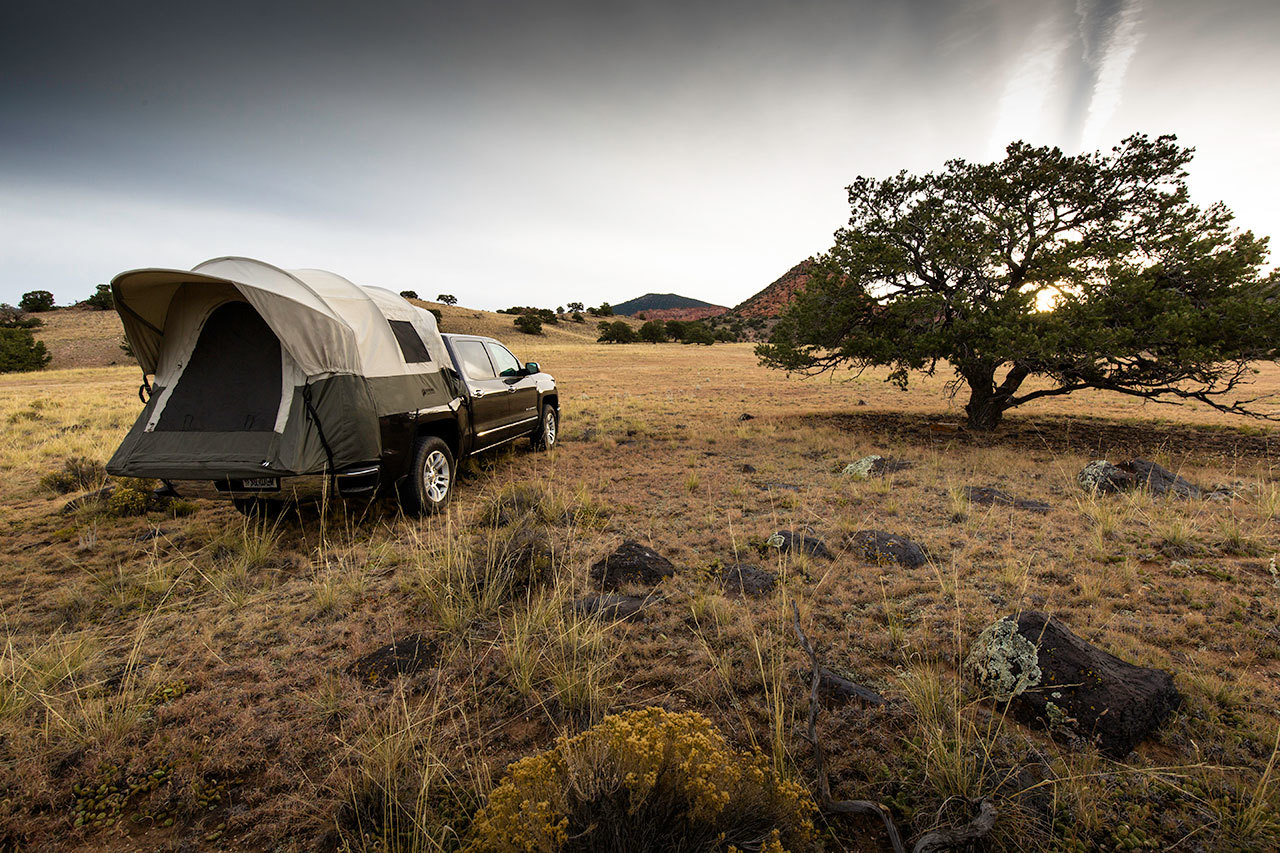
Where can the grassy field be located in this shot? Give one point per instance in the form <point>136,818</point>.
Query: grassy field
<point>188,679</point>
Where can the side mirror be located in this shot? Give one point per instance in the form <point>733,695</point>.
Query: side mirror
<point>532,368</point>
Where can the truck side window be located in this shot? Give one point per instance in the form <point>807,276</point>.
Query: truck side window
<point>507,364</point>
<point>411,346</point>
<point>474,361</point>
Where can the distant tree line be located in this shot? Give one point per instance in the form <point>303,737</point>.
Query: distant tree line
<point>658,331</point>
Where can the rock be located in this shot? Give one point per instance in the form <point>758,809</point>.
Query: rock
<point>876,546</point>
<point>861,403</point>
<point>1160,480</point>
<point>785,540</point>
<point>404,656</point>
<point>1101,477</point>
<point>748,468</point>
<point>748,580</point>
<point>873,466</point>
<point>1053,678</point>
<point>612,608</point>
<point>746,417</point>
<point>835,687</point>
<point>631,563</point>
<point>780,487</point>
<point>994,497</point>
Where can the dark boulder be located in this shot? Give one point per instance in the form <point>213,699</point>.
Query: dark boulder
<point>612,608</point>
<point>874,466</point>
<point>748,580</point>
<point>404,656</point>
<point>1102,477</point>
<point>1160,480</point>
<point>1053,678</point>
<point>994,497</point>
<point>785,540</point>
<point>876,546</point>
<point>631,563</point>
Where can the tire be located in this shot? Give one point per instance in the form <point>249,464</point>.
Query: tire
<point>548,431</point>
<point>429,485</point>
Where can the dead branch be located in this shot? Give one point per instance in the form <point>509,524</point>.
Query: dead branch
<point>936,840</point>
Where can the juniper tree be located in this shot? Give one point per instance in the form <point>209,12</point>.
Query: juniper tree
<point>1040,275</point>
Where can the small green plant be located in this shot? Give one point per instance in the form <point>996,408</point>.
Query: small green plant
<point>79,473</point>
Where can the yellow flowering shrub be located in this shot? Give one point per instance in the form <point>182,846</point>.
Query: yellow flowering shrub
<point>644,780</point>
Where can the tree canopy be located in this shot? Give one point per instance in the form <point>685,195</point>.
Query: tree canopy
<point>1086,271</point>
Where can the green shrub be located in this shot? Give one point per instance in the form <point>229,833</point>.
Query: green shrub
<point>135,497</point>
<point>21,352</point>
<point>409,294</point>
<point>530,324</point>
<point>79,473</point>
<point>101,299</point>
<point>617,332</point>
<point>36,301</point>
<point>647,780</point>
<point>13,318</point>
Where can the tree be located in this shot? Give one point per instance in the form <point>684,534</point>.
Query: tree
<point>697,333</point>
<point>21,352</point>
<point>447,299</point>
<point>36,301</point>
<point>1087,271</point>
<point>14,318</point>
<point>653,332</point>
<point>576,307</point>
<point>617,332</point>
<point>101,299</point>
<point>605,310</point>
<point>409,294</point>
<point>530,324</point>
<point>577,317</point>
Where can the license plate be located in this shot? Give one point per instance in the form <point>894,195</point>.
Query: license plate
<point>261,484</point>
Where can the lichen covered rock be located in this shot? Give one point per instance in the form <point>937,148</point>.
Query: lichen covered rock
<point>1051,677</point>
<point>1101,477</point>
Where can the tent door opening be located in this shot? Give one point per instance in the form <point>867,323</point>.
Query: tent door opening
<point>232,381</point>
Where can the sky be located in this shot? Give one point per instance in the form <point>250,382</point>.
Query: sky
<point>549,152</point>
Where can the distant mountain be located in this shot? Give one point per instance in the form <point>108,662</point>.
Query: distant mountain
<point>668,306</point>
<point>773,300</point>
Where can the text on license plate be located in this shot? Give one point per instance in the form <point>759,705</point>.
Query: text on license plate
<point>260,483</point>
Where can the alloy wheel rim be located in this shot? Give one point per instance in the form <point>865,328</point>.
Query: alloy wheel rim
<point>435,476</point>
<point>549,427</point>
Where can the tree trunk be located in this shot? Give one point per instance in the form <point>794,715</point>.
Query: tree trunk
<point>984,410</point>
<point>987,402</point>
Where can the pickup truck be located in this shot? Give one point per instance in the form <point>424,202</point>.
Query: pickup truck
<point>499,400</point>
<point>262,385</point>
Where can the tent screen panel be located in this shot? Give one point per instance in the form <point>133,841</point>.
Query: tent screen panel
<point>232,382</point>
<point>474,361</point>
<point>411,346</point>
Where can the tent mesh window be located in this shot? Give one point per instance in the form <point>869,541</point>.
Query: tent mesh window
<point>411,346</point>
<point>232,382</point>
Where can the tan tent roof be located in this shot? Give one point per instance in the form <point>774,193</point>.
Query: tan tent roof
<point>328,324</point>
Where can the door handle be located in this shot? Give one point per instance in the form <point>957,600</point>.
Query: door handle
<point>511,390</point>
<point>477,392</point>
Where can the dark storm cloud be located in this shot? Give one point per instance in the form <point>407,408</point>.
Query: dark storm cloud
<point>587,149</point>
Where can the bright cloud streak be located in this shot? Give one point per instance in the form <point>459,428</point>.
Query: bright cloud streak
<point>1108,91</point>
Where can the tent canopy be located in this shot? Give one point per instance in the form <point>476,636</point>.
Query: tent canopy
<point>327,324</point>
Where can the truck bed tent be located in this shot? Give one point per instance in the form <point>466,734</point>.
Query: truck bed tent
<point>260,371</point>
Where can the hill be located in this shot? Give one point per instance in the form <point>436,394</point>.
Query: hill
<point>669,306</point>
<point>770,302</point>
<point>83,337</point>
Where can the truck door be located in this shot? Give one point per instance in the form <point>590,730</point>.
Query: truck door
<point>488,393</point>
<point>522,391</point>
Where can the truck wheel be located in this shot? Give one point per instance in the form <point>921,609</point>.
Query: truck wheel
<point>430,481</point>
<point>548,429</point>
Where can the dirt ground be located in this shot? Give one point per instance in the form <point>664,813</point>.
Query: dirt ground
<point>221,656</point>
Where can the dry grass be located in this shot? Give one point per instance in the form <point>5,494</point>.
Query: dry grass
<point>271,743</point>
